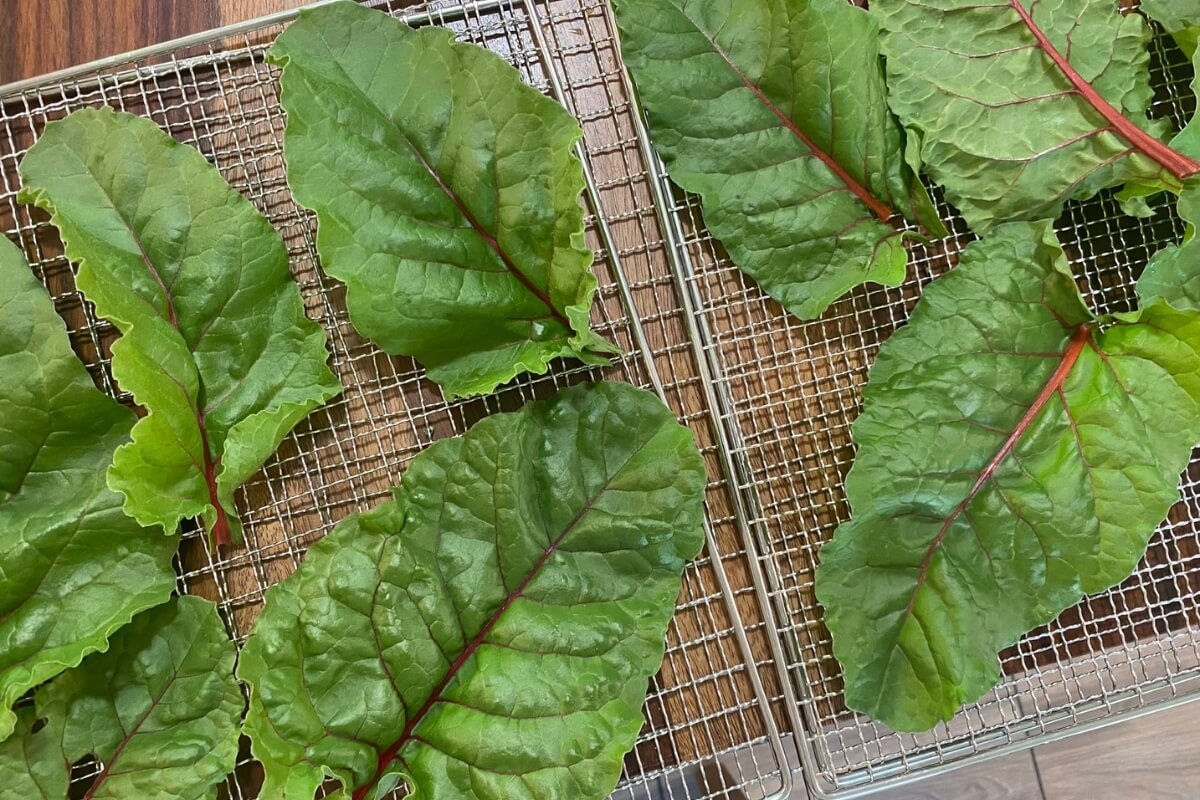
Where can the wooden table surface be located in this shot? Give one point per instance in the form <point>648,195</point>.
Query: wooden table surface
<point>39,36</point>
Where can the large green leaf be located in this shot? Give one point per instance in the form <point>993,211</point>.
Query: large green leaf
<point>775,113</point>
<point>1018,106</point>
<point>490,632</point>
<point>73,567</point>
<point>159,710</point>
<point>215,343</point>
<point>1014,452</point>
<point>447,192</point>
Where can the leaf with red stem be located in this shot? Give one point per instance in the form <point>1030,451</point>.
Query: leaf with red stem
<point>774,113</point>
<point>215,342</point>
<point>490,631</point>
<point>75,568</point>
<point>1014,452</point>
<point>447,192</point>
<point>1021,105</point>
<point>159,711</point>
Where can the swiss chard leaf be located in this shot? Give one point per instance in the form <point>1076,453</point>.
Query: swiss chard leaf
<point>975,85</point>
<point>488,633</point>
<point>215,343</point>
<point>160,710</point>
<point>75,568</point>
<point>447,193</point>
<point>1014,453</point>
<point>775,113</point>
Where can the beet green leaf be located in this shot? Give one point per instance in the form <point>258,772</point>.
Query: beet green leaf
<point>1014,453</point>
<point>447,192</point>
<point>1018,106</point>
<point>75,568</point>
<point>775,113</point>
<point>159,710</point>
<point>215,343</point>
<point>489,632</point>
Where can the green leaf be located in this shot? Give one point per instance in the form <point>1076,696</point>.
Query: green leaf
<point>447,192</point>
<point>160,710</point>
<point>1173,274</point>
<point>1014,452</point>
<point>775,113</point>
<point>75,568</point>
<point>215,343</point>
<point>490,632</point>
<point>1180,18</point>
<point>1019,106</point>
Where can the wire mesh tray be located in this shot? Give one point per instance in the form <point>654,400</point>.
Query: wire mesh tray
<point>710,732</point>
<point>786,393</point>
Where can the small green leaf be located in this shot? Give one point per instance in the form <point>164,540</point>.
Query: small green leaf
<point>159,710</point>
<point>75,568</point>
<point>775,113</point>
<point>1180,18</point>
<point>490,632</point>
<point>447,192</point>
<point>1014,453</point>
<point>215,343</point>
<point>1020,106</point>
<point>1173,274</point>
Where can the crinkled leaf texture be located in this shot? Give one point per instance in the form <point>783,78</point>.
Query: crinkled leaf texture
<point>75,568</point>
<point>215,343</point>
<point>489,632</point>
<point>159,710</point>
<point>1173,274</point>
<point>1019,106</point>
<point>775,113</point>
<point>447,193</point>
<point>1014,453</point>
<point>1177,17</point>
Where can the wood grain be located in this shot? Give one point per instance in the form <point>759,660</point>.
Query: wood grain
<point>40,37</point>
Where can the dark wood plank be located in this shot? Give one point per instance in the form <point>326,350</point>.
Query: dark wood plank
<point>40,37</point>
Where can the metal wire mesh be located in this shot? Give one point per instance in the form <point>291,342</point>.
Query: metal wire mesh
<point>786,393</point>
<point>709,731</point>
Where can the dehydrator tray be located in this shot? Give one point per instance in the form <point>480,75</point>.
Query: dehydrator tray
<point>748,703</point>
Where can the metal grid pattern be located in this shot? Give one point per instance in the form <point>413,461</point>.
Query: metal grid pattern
<point>709,730</point>
<point>786,393</point>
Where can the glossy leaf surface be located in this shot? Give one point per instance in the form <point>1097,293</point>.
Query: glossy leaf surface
<point>1018,106</point>
<point>215,343</point>
<point>775,113</point>
<point>159,710</point>
<point>447,192</point>
<point>489,632</point>
<point>74,567</point>
<point>1013,455</point>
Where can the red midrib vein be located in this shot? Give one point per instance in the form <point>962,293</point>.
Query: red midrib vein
<point>407,734</point>
<point>1171,160</point>
<point>128,737</point>
<point>1070,355</point>
<point>484,233</point>
<point>878,208</point>
<point>220,529</point>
